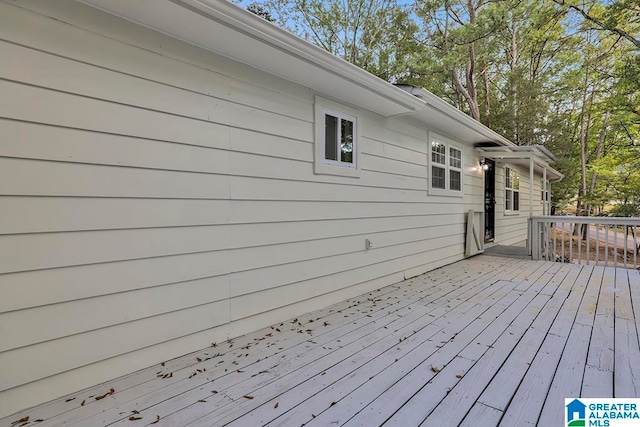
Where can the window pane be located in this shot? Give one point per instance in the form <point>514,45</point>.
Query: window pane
<point>330,137</point>
<point>455,158</point>
<point>507,176</point>
<point>438,151</point>
<point>346,141</point>
<point>516,200</point>
<point>437,177</point>
<point>507,200</point>
<point>515,178</point>
<point>454,180</point>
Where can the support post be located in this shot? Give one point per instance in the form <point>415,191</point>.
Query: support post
<point>545,201</point>
<point>531,169</point>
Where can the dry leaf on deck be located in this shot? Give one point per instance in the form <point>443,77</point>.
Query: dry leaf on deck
<point>21,420</point>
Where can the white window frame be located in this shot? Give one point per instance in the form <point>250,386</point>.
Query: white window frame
<point>326,166</point>
<point>508,210</point>
<point>448,144</point>
<point>542,192</point>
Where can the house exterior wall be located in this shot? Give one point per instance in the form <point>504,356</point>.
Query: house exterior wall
<point>157,198</point>
<point>511,227</point>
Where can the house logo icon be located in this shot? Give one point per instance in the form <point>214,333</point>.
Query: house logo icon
<point>576,413</point>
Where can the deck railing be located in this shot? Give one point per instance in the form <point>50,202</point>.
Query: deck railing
<point>585,240</point>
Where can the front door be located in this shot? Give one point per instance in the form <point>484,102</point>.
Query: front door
<point>489,201</point>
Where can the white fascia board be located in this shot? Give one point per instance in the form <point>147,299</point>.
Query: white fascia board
<point>228,30</point>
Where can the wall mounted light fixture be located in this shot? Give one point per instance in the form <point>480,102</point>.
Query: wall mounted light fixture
<point>483,164</point>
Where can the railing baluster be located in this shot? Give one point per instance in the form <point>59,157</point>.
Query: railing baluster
<point>626,241</point>
<point>571,242</point>
<point>597,244</point>
<point>615,245</point>
<point>606,245</point>
<point>555,241</point>
<point>587,250</point>
<point>579,244</point>
<point>563,233</point>
<point>635,247</point>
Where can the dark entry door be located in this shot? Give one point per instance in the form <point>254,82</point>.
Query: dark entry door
<point>489,201</point>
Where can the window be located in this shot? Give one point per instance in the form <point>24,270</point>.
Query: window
<point>511,190</point>
<point>445,167</point>
<point>544,197</point>
<point>336,139</point>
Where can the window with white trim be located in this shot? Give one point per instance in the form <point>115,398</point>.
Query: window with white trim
<point>544,196</point>
<point>445,168</point>
<point>336,139</point>
<point>511,190</point>
<point>339,138</point>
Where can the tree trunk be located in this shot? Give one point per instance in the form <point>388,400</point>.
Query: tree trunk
<point>600,149</point>
<point>487,99</point>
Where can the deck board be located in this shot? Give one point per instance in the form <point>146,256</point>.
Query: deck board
<point>489,340</point>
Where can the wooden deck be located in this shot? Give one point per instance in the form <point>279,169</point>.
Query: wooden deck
<point>485,341</point>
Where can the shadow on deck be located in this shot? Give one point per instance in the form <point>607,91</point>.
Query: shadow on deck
<point>485,341</point>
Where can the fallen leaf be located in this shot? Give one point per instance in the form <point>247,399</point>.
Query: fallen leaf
<point>21,420</point>
<point>239,371</point>
<point>458,376</point>
<point>332,403</point>
<point>326,323</point>
<point>162,364</point>
<point>135,412</point>
<point>70,399</point>
<point>246,396</point>
<point>313,415</point>
<point>214,391</point>
<point>198,359</point>
<point>132,418</point>
<point>276,405</point>
<point>202,401</point>
<point>82,404</point>
<point>157,420</point>
<point>435,369</point>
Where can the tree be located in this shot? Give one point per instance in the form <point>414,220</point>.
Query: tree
<point>376,35</point>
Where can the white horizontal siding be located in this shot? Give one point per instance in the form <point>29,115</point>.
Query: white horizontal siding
<point>512,227</point>
<point>156,197</point>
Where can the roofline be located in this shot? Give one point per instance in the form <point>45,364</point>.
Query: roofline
<point>441,105</point>
<point>415,103</point>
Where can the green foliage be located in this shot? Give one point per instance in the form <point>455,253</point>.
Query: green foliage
<point>626,210</point>
<point>261,11</point>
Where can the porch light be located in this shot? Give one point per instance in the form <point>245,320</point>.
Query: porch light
<point>483,164</point>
